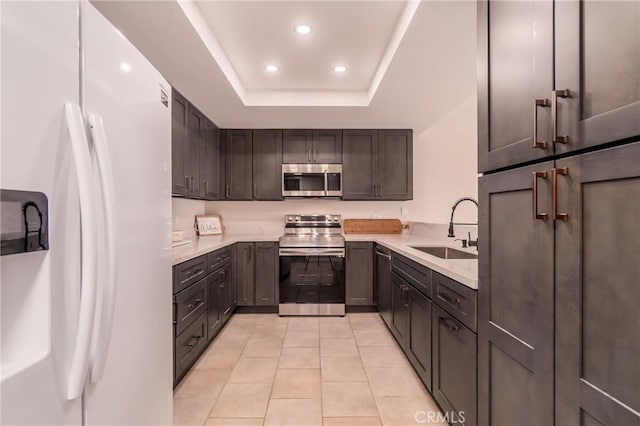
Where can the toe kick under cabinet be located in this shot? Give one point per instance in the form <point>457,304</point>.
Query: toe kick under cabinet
<point>203,300</point>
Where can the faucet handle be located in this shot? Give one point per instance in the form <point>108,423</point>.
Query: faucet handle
<point>464,242</point>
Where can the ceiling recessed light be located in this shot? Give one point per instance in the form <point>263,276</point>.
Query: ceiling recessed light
<point>125,67</point>
<point>272,68</point>
<point>340,68</point>
<point>303,29</point>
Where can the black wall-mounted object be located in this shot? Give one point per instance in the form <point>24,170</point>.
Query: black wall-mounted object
<point>24,225</point>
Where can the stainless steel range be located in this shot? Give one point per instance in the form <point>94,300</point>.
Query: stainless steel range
<point>312,265</point>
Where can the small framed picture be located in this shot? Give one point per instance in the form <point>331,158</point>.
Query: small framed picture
<point>209,224</point>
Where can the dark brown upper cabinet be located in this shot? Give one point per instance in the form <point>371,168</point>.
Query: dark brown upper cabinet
<point>377,164</point>
<point>539,95</point>
<point>515,81</point>
<point>238,153</point>
<point>195,152</point>
<point>311,146</point>
<point>597,72</point>
<point>179,144</point>
<point>267,165</point>
<point>210,161</point>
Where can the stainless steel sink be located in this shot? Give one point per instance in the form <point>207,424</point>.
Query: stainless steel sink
<point>446,252</point>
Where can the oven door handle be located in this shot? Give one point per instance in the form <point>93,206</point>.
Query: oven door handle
<point>339,252</point>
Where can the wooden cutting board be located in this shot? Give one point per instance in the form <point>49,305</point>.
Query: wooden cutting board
<point>372,226</point>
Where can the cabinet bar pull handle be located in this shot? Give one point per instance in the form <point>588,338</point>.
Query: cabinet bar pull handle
<point>452,300</point>
<point>555,94</point>
<point>564,171</point>
<point>446,322</point>
<point>380,190</point>
<point>192,185</point>
<point>309,155</point>
<point>226,193</point>
<point>314,155</point>
<point>186,183</point>
<point>536,215</point>
<point>254,190</point>
<point>193,341</point>
<point>206,186</point>
<point>379,253</point>
<point>536,104</point>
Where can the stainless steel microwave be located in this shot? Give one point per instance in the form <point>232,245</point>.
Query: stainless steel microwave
<point>312,180</point>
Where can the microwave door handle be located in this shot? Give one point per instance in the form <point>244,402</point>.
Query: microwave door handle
<point>326,183</point>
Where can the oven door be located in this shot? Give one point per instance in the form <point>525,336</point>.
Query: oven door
<point>312,281</point>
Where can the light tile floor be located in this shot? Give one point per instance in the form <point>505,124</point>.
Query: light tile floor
<point>266,370</point>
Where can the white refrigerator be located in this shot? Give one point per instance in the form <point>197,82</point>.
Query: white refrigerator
<point>86,325</point>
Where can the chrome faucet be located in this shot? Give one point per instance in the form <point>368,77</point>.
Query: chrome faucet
<point>472,243</point>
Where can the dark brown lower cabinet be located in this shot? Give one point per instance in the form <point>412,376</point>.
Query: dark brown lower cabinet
<point>399,309</point>
<point>454,368</point>
<point>383,282</point>
<point>515,298</point>
<point>188,347</point>
<point>245,274</point>
<point>214,317</point>
<point>418,347</point>
<point>597,258</point>
<point>227,294</point>
<point>266,274</point>
<point>359,274</point>
<point>559,324</point>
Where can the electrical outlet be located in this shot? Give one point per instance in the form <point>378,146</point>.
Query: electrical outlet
<point>404,210</point>
<point>375,216</point>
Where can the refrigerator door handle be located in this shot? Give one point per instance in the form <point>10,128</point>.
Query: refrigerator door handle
<point>82,160</point>
<point>108,290</point>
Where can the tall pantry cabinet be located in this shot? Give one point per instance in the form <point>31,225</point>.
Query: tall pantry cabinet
<point>559,143</point>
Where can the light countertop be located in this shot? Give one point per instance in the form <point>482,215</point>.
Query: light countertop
<point>465,271</point>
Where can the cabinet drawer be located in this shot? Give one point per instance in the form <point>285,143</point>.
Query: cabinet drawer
<point>188,346</point>
<point>457,299</point>
<point>218,258</point>
<point>415,274</point>
<point>189,304</point>
<point>187,273</point>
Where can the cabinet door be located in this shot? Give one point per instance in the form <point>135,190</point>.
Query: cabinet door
<point>359,274</point>
<point>195,124</point>
<point>399,310</point>
<point>267,274</point>
<point>297,146</point>
<point>515,63</point>
<point>210,164</point>
<point>515,299</point>
<point>597,57</point>
<point>419,335</point>
<point>327,146</point>
<point>454,366</point>
<point>239,169</point>
<point>179,144</point>
<point>227,293</point>
<point>214,319</point>
<point>245,274</point>
<point>359,167</point>
<point>395,164</point>
<point>267,165</point>
<point>598,288</point>
<point>383,281</point>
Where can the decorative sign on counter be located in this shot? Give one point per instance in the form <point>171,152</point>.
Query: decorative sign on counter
<point>209,224</point>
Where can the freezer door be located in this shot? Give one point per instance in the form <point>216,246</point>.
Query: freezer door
<point>40,291</point>
<point>123,89</point>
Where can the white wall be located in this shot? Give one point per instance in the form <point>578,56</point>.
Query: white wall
<point>183,214</point>
<point>445,167</point>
